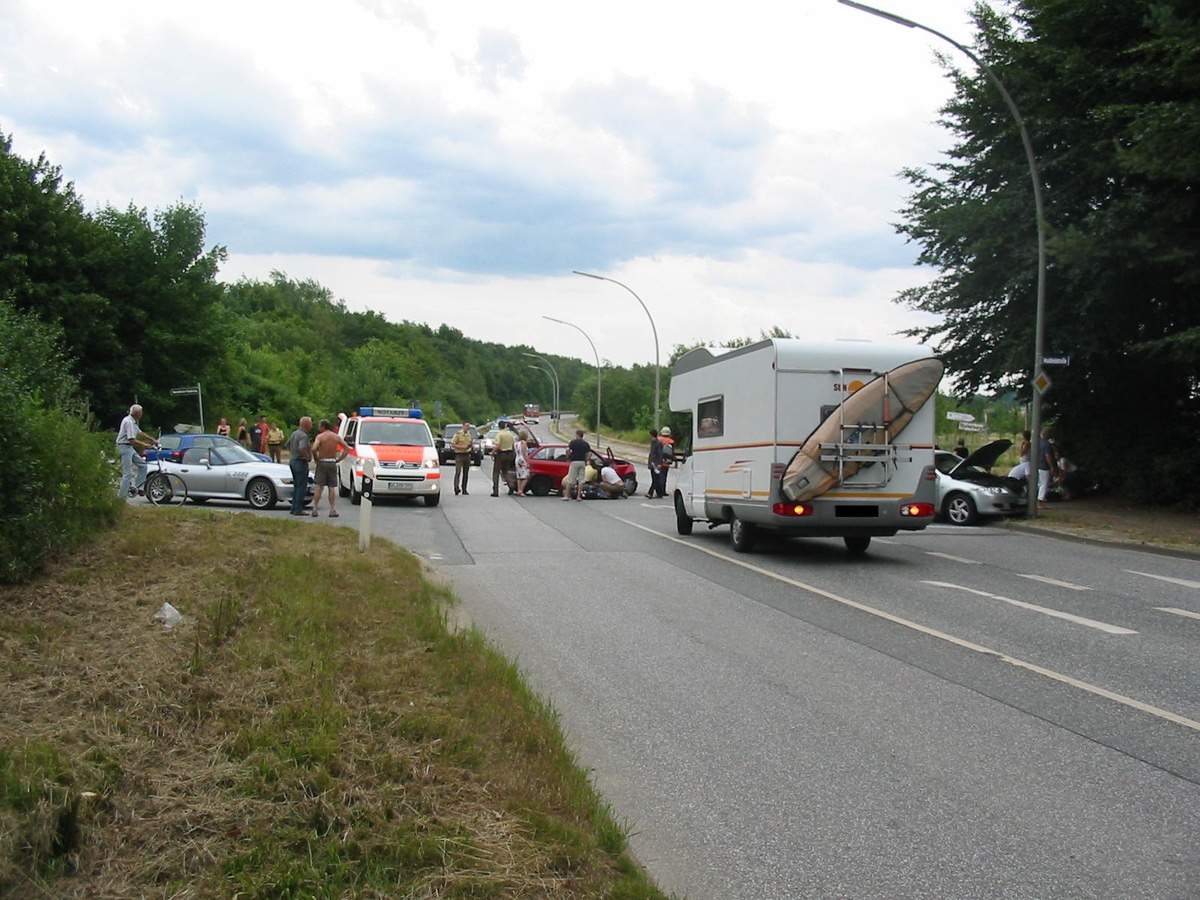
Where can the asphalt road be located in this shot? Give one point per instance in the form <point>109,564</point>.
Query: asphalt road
<point>963,713</point>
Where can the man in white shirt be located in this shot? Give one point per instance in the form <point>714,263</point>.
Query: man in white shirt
<point>611,484</point>
<point>129,435</point>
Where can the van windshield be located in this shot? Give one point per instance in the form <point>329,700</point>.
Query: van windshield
<point>407,434</point>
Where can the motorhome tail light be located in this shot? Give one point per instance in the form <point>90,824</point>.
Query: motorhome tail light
<point>794,510</point>
<point>916,510</point>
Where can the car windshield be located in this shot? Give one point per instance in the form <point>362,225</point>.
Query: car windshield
<point>230,454</point>
<point>393,434</point>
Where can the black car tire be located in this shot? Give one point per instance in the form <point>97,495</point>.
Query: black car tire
<point>539,485</point>
<point>959,509</point>
<point>355,494</point>
<point>433,499</point>
<point>260,493</point>
<point>630,485</point>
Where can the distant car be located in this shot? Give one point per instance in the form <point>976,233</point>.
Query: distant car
<point>173,446</point>
<point>446,452</point>
<point>968,491</point>
<point>548,466</point>
<point>232,473</point>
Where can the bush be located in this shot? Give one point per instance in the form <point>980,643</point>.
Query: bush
<point>58,487</point>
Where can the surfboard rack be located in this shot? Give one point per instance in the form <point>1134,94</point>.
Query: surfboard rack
<point>861,445</point>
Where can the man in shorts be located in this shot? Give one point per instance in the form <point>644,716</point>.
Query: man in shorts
<point>328,450</point>
<point>577,455</point>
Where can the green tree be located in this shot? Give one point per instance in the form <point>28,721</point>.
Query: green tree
<point>1110,91</point>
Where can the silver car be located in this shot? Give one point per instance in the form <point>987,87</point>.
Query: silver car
<point>967,490</point>
<point>232,473</point>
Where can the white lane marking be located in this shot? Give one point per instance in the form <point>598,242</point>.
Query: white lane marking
<point>1178,612</point>
<point>1181,581</point>
<point>1064,584</point>
<point>1058,614</point>
<point>1098,691</point>
<point>957,559</point>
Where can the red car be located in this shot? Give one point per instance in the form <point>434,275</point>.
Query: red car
<point>548,466</point>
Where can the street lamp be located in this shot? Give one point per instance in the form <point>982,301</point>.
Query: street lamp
<point>1035,416</point>
<point>550,378</point>
<point>652,329</point>
<point>589,340</point>
<point>554,412</point>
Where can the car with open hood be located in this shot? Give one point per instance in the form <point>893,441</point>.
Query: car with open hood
<point>968,491</point>
<point>548,466</point>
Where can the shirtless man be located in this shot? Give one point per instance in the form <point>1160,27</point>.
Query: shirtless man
<point>325,448</point>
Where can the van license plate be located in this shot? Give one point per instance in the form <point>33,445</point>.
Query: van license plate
<point>399,486</point>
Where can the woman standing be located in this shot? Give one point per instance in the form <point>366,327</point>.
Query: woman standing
<point>521,461</point>
<point>243,434</point>
<point>223,428</point>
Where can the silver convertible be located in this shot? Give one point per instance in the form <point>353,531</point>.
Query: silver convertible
<point>231,473</point>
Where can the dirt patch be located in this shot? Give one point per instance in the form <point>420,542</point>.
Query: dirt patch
<point>1121,522</point>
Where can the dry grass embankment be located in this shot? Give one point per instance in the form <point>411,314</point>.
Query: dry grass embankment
<point>310,729</point>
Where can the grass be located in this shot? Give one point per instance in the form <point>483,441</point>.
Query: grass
<point>312,728</point>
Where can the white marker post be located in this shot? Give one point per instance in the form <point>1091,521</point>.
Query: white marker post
<point>364,519</point>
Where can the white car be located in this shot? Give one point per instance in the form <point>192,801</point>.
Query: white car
<point>967,490</point>
<point>231,473</point>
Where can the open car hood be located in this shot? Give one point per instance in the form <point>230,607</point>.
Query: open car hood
<point>985,457</point>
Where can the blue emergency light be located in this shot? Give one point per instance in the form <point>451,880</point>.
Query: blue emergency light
<point>398,412</point>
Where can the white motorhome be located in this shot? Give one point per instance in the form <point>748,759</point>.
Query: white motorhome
<point>757,409</point>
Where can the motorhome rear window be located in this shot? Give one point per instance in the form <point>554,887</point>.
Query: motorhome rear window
<point>710,417</point>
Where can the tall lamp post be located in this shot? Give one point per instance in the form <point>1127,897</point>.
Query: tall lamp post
<point>550,378</point>
<point>589,340</point>
<point>1038,378</point>
<point>554,413</point>
<point>653,330</point>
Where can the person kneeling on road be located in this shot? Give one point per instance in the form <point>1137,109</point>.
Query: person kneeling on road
<point>611,485</point>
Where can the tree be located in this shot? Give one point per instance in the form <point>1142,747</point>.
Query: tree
<point>1110,91</point>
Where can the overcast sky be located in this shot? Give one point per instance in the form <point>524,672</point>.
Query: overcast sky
<point>736,165</point>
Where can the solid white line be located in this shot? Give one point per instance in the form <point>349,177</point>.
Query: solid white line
<point>940,635</point>
<point>1178,612</point>
<point>1180,581</point>
<point>1058,614</point>
<point>957,559</point>
<point>1055,582</point>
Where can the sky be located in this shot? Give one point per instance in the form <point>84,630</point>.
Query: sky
<point>735,166</point>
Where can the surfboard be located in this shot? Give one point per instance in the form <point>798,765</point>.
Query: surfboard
<point>863,427</point>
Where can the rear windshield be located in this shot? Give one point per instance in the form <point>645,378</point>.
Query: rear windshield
<point>407,434</point>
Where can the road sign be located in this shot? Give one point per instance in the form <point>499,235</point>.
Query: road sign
<point>1042,382</point>
<point>185,392</point>
<point>1056,360</point>
<point>960,417</point>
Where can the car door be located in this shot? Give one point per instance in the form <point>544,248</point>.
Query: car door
<point>203,472</point>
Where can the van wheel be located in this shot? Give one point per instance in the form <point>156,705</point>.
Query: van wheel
<point>433,499</point>
<point>355,493</point>
<point>539,485</point>
<point>683,522</point>
<point>742,534</point>
<point>857,544</point>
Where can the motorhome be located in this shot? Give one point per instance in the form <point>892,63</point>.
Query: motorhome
<point>816,439</point>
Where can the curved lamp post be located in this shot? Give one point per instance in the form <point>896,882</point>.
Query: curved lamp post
<point>554,413</point>
<point>1038,378</point>
<point>589,340</point>
<point>550,378</point>
<point>652,329</point>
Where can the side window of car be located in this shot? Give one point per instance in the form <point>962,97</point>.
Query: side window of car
<point>194,456</point>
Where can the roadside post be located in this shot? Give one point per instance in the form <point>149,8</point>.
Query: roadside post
<point>364,518</point>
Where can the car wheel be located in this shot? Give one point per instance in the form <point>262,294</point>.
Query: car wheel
<point>630,485</point>
<point>959,509</point>
<point>539,485</point>
<point>743,535</point>
<point>683,522</point>
<point>433,499</point>
<point>857,544</point>
<point>355,494</point>
<point>261,493</point>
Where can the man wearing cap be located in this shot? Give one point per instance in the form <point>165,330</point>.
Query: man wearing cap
<point>461,445</point>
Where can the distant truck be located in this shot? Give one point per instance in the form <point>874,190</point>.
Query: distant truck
<point>533,412</point>
<point>815,439</point>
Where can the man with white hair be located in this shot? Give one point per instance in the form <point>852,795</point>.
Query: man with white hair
<point>128,435</point>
